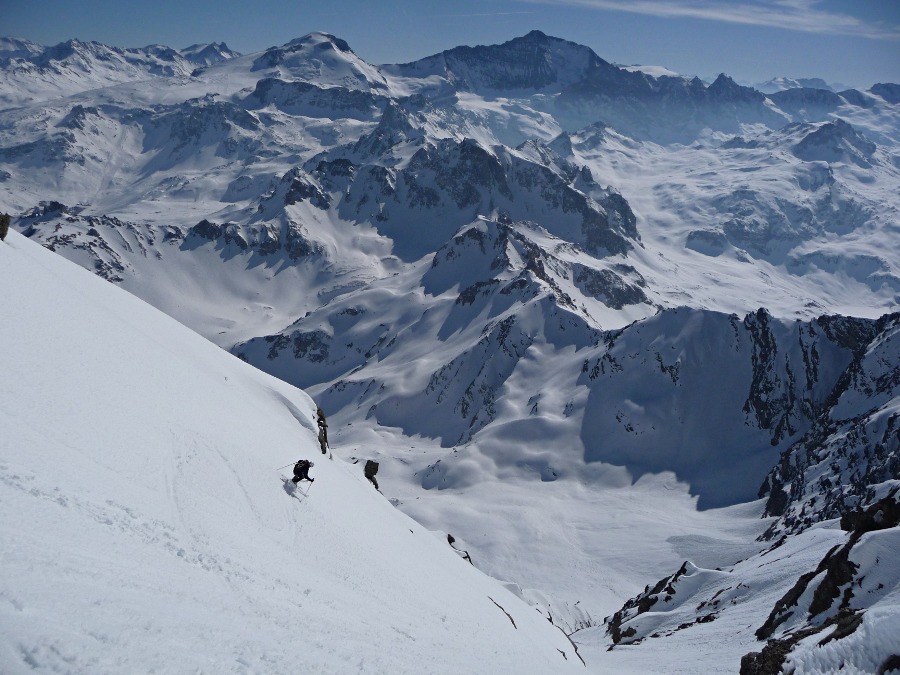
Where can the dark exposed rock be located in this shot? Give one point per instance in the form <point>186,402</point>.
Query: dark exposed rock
<point>771,401</point>
<point>302,188</point>
<point>766,662</point>
<point>773,656</point>
<point>311,100</point>
<point>890,665</point>
<point>609,287</point>
<point>207,229</point>
<point>880,515</point>
<point>770,660</point>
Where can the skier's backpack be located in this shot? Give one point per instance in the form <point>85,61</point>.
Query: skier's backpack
<point>371,468</point>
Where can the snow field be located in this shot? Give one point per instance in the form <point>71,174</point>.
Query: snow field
<point>158,536</point>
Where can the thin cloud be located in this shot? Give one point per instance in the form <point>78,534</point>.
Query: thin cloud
<point>797,15</point>
<point>482,15</point>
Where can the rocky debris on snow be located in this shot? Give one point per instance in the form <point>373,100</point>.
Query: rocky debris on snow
<point>626,626</point>
<point>853,574</point>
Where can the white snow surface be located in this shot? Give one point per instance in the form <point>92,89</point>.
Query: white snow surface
<point>655,71</point>
<point>145,527</point>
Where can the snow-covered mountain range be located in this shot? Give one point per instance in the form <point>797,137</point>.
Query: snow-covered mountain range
<point>592,321</point>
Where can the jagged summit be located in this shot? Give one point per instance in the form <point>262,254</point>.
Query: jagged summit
<point>33,73</point>
<point>208,54</point>
<point>726,89</point>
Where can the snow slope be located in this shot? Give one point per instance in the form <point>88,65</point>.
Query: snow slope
<point>145,527</point>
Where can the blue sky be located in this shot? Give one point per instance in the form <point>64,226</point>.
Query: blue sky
<point>856,43</point>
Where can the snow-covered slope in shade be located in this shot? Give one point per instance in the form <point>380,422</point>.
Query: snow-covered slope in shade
<point>145,526</point>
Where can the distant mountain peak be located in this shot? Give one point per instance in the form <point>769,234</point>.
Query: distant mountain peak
<point>777,84</point>
<point>533,61</point>
<point>836,141</point>
<point>317,39</point>
<point>725,88</point>
<point>208,54</point>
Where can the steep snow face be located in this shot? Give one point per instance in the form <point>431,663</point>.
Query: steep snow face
<point>160,534</point>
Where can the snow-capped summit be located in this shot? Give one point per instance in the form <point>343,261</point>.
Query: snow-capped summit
<point>322,59</point>
<point>777,84</point>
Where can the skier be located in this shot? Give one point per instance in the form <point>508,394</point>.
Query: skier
<point>301,471</point>
<point>370,470</point>
<point>323,429</point>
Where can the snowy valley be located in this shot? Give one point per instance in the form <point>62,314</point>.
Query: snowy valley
<point>632,342</point>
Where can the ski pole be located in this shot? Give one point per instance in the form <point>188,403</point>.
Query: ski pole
<point>283,467</point>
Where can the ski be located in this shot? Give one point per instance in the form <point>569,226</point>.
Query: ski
<point>293,489</point>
